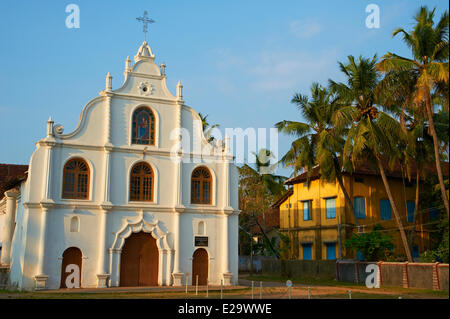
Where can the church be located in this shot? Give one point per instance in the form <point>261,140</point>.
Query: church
<point>134,196</point>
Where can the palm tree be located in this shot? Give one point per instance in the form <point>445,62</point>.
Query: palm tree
<point>318,141</point>
<point>372,134</point>
<point>396,92</point>
<point>273,184</point>
<point>207,129</point>
<point>430,49</point>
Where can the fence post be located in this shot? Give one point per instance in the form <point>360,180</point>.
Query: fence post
<point>405,279</point>
<point>436,283</point>
<point>380,279</point>
<point>207,292</point>
<point>221,288</point>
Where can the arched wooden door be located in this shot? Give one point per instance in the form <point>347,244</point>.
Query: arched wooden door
<point>200,267</point>
<point>71,255</point>
<point>139,261</point>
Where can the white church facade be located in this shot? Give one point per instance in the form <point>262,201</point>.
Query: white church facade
<point>134,196</point>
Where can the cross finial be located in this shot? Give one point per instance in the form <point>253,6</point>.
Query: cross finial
<point>145,21</point>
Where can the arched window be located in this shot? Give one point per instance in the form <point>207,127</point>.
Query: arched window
<point>74,224</point>
<point>143,127</point>
<point>76,179</point>
<point>201,228</point>
<point>141,182</point>
<point>201,186</point>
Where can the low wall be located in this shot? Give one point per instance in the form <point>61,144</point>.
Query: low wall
<point>408,275</point>
<point>443,276</point>
<point>245,262</point>
<point>300,268</point>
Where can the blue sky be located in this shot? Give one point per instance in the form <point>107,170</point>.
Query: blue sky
<point>239,61</point>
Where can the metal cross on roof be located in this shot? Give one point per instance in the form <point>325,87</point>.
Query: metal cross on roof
<point>145,20</point>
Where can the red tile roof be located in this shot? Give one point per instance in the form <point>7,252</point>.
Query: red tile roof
<point>364,168</point>
<point>9,173</point>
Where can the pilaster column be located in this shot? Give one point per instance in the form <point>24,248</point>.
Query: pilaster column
<point>227,161</point>
<point>226,250</point>
<point>107,137</point>
<point>8,226</point>
<point>46,190</point>
<point>227,211</point>
<point>102,276</point>
<point>177,274</point>
<point>107,176</point>
<point>41,277</point>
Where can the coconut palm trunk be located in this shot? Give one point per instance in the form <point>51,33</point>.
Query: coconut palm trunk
<point>416,210</point>
<point>436,153</point>
<point>394,209</point>
<point>337,168</point>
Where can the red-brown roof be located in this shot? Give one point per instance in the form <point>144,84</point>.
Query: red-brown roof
<point>280,200</point>
<point>9,173</point>
<point>366,169</point>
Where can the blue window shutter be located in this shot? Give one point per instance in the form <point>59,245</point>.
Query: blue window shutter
<point>330,204</point>
<point>360,207</point>
<point>434,214</point>
<point>307,255</point>
<point>385,208</point>
<point>306,210</point>
<point>331,251</point>
<point>410,207</point>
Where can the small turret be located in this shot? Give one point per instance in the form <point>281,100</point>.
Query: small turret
<point>108,82</point>
<point>163,69</point>
<point>179,91</point>
<point>127,64</point>
<point>50,127</point>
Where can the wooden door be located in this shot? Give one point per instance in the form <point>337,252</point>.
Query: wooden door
<point>200,266</point>
<point>71,255</point>
<point>139,261</point>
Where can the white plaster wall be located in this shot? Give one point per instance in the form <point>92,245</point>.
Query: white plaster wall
<point>87,142</point>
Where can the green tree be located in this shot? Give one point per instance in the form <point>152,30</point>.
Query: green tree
<point>372,245</point>
<point>258,188</point>
<point>318,141</point>
<point>429,66</point>
<point>373,135</point>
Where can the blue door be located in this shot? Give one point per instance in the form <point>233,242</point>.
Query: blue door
<point>307,253</point>
<point>415,252</point>
<point>359,255</point>
<point>434,214</point>
<point>331,251</point>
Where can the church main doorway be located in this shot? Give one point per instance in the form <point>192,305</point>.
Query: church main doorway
<point>71,266</point>
<point>139,261</point>
<point>200,267</point>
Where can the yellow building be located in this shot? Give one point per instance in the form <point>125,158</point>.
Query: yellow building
<point>318,220</point>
